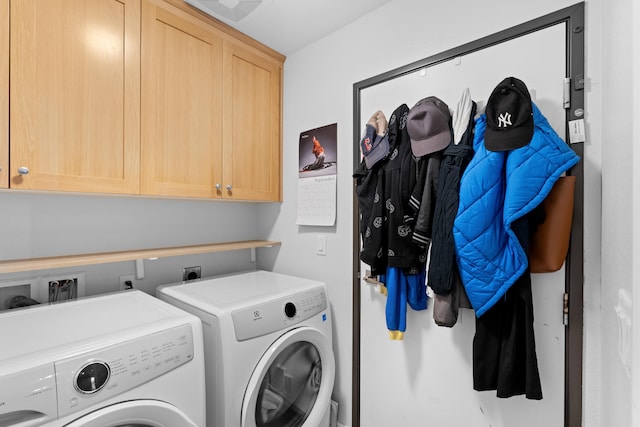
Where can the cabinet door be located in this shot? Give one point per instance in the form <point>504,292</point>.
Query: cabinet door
<point>75,95</point>
<point>181,103</point>
<point>4,95</point>
<point>252,125</point>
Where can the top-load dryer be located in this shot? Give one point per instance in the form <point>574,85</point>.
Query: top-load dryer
<point>268,351</point>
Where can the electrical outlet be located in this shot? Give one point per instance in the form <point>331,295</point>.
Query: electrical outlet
<point>191,273</point>
<point>63,287</point>
<point>126,282</point>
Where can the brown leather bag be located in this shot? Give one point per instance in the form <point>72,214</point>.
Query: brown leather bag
<point>550,242</point>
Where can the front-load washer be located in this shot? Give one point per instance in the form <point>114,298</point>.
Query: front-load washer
<point>268,353</point>
<point>115,360</point>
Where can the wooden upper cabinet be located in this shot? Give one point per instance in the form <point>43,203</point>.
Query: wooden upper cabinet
<point>252,123</point>
<point>4,95</point>
<point>136,97</point>
<point>75,95</point>
<point>181,103</point>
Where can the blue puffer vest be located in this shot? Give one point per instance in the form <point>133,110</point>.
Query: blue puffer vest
<point>496,189</point>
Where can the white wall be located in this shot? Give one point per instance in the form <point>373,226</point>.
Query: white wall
<point>635,396</point>
<point>318,91</point>
<point>40,225</point>
<point>618,194</point>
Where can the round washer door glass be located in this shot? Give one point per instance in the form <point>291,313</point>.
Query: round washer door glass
<point>135,413</point>
<point>292,384</point>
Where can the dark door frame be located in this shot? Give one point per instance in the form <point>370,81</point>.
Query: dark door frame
<point>573,17</point>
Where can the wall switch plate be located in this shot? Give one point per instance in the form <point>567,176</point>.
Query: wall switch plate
<point>321,245</point>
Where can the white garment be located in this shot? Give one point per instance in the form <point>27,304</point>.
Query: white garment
<point>461,116</point>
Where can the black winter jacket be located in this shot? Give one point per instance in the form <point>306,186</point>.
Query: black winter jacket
<point>369,187</point>
<point>383,193</point>
<point>423,199</point>
<point>442,263</point>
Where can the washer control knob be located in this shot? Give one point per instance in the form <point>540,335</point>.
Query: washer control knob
<point>290,310</point>
<point>92,377</point>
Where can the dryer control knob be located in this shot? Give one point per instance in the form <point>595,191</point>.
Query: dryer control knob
<point>290,310</point>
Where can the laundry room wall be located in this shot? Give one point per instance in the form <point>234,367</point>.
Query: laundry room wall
<point>318,91</point>
<point>620,197</point>
<point>635,369</point>
<point>36,225</point>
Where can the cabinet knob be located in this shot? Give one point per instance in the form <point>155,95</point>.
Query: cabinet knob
<point>218,187</point>
<point>22,170</point>
<point>228,187</point>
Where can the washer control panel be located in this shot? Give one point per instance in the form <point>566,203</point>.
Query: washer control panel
<point>91,377</point>
<point>271,316</point>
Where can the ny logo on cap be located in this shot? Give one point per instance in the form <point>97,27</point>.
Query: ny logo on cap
<point>504,120</point>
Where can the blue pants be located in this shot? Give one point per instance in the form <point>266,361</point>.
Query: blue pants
<point>403,289</point>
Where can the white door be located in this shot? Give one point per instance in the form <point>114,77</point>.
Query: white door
<point>291,385</point>
<point>138,413</point>
<point>426,379</point>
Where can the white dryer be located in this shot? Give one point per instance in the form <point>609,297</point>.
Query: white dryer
<point>269,357</point>
<point>114,360</point>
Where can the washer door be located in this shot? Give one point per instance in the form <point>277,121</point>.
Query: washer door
<point>135,413</point>
<point>291,385</point>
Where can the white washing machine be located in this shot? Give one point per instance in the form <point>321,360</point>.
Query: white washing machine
<point>269,357</point>
<point>116,360</point>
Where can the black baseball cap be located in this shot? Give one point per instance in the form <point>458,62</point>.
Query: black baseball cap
<point>509,116</point>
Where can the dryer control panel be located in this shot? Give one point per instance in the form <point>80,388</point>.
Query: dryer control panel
<point>271,316</point>
<point>91,377</point>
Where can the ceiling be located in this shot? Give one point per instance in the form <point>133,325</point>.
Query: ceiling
<point>289,25</point>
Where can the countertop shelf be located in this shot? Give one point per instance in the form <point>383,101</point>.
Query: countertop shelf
<point>17,265</point>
